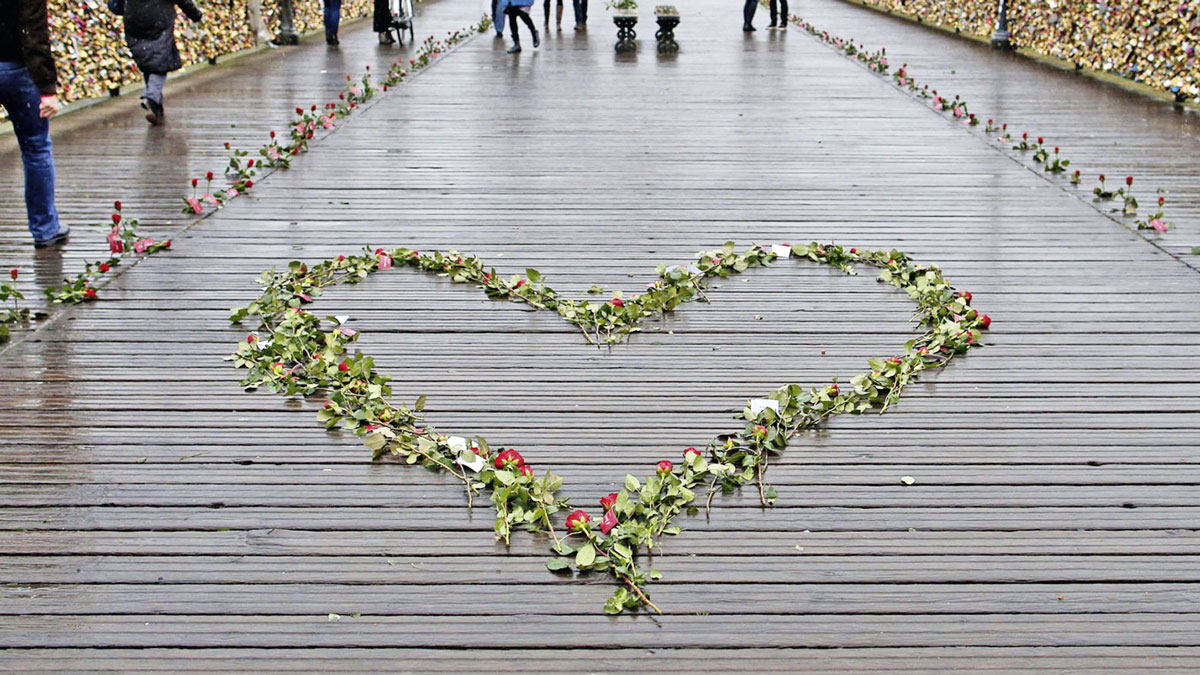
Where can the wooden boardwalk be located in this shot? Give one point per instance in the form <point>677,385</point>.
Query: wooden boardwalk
<point>153,516</point>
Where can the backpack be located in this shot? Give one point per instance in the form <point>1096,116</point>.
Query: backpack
<point>116,7</point>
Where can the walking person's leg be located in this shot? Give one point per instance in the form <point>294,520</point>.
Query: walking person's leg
<point>152,97</point>
<point>783,14</point>
<point>20,98</point>
<point>772,4</point>
<point>546,8</point>
<point>748,15</point>
<point>523,12</point>
<point>511,13</point>
<point>254,13</point>
<point>333,15</point>
<point>558,15</point>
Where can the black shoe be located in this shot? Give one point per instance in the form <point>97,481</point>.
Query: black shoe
<point>332,40</point>
<point>385,38</point>
<point>64,231</point>
<point>515,49</point>
<point>155,114</point>
<point>748,28</point>
<point>536,40</point>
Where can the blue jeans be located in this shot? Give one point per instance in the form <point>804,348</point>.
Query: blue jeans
<point>20,98</point>
<point>333,12</point>
<point>580,8</point>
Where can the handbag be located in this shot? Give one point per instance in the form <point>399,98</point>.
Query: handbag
<point>117,7</point>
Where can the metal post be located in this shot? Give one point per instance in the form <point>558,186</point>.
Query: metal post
<point>1000,36</point>
<point>287,29</point>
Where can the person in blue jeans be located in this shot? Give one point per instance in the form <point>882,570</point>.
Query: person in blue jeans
<point>28,82</point>
<point>333,15</point>
<point>580,8</point>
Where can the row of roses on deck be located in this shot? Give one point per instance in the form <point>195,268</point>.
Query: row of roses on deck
<point>293,352</point>
<point>240,172</point>
<point>1050,162</point>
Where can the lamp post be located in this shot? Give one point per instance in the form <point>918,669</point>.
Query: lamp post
<point>1001,36</point>
<point>287,30</point>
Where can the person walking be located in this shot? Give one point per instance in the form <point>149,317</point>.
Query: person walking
<point>150,34</point>
<point>782,14</point>
<point>580,9</point>
<point>333,16</point>
<point>257,24</point>
<point>28,85</point>
<point>557,13</point>
<point>382,22</point>
<point>514,10</point>
<point>748,15</point>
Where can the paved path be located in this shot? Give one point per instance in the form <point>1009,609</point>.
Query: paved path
<point>152,510</point>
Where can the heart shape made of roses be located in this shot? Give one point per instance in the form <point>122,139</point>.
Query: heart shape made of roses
<point>302,354</point>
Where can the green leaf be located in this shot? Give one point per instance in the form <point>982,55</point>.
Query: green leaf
<point>557,564</point>
<point>585,556</point>
<point>420,404</point>
<point>533,275</point>
<point>1196,250</point>
<point>632,484</point>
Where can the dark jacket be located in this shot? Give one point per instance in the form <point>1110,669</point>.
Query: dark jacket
<point>383,16</point>
<point>150,33</point>
<point>25,38</point>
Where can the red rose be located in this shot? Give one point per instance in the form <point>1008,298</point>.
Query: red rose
<point>103,267</point>
<point>167,244</point>
<point>833,388</point>
<point>520,283</point>
<point>13,273</point>
<point>616,302</point>
<point>966,295</point>
<point>1129,180</point>
<point>208,176</point>
<point>272,134</point>
<point>985,321</point>
<point>509,459</point>
<point>1101,178</point>
<point>249,184</point>
<point>665,466</point>
<point>299,111</point>
<point>577,520</point>
<point>1040,140</point>
<point>608,500</point>
<point>341,258</point>
<point>342,367</point>
<point>117,205</point>
<point>1056,149</point>
<point>251,338</point>
<point>609,522</point>
<point>116,218</point>
<point>527,471</point>
<point>226,145</point>
<point>89,293</point>
<point>690,451</point>
<point>854,250</point>
<point>195,182</point>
